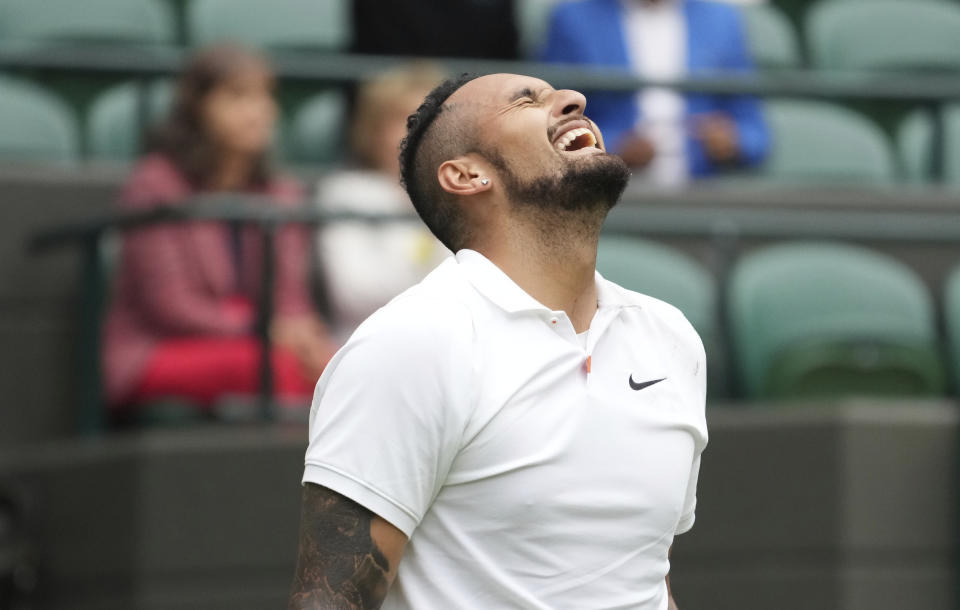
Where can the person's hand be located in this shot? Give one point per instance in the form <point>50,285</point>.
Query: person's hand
<point>306,337</point>
<point>636,150</point>
<point>718,133</point>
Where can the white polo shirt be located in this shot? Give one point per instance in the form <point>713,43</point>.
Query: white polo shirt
<point>527,470</point>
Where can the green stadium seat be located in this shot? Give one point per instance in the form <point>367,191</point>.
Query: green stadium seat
<point>667,274</point>
<point>915,145</point>
<point>884,34</point>
<point>951,308</point>
<point>813,319</point>
<point>314,134</point>
<point>113,123</point>
<point>533,20</point>
<point>35,125</point>
<point>661,272</point>
<point>772,38</point>
<point>110,21</point>
<point>297,24</point>
<point>823,142</point>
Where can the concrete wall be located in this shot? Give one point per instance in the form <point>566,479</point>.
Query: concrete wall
<point>38,297</point>
<point>841,507</point>
<point>851,507</point>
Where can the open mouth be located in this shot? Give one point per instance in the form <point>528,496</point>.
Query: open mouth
<point>576,139</point>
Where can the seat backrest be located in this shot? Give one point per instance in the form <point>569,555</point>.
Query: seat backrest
<point>304,24</point>
<point>796,294</point>
<point>661,272</point>
<point>128,21</point>
<point>773,40</point>
<point>951,310</point>
<point>842,34</point>
<point>314,133</point>
<point>35,125</point>
<point>819,141</point>
<point>915,145</point>
<point>667,274</point>
<point>113,122</point>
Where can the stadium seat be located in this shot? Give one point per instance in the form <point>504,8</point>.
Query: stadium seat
<point>922,34</point>
<point>669,275</point>
<point>815,319</point>
<point>772,39</point>
<point>300,24</point>
<point>915,145</point>
<point>113,123</point>
<point>314,133</point>
<point>126,21</point>
<point>35,125</point>
<point>951,308</point>
<point>823,142</point>
<point>533,19</point>
<point>662,272</point>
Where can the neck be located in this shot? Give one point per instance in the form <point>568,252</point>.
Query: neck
<point>552,258</point>
<point>233,172</point>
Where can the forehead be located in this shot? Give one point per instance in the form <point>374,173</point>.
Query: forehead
<point>494,90</point>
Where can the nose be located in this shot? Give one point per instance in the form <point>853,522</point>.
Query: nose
<point>568,102</point>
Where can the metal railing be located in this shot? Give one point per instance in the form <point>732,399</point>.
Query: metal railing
<point>723,226</point>
<point>932,91</point>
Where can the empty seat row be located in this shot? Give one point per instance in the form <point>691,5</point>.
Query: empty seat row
<point>839,34</point>
<point>35,125</point>
<point>805,319</point>
<point>309,24</point>
<point>829,143</point>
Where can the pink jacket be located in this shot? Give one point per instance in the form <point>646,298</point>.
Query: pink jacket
<point>174,280</point>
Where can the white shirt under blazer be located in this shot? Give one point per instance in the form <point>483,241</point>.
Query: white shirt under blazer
<point>525,468</point>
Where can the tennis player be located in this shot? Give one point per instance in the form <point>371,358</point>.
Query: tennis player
<point>514,432</point>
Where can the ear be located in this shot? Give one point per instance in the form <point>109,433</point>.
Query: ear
<point>462,176</point>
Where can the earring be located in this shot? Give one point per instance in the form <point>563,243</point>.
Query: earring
<point>484,181</point>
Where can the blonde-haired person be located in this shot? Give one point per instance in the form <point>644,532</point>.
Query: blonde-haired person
<point>364,265</point>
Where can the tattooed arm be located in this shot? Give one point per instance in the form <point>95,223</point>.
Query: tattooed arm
<point>348,555</point>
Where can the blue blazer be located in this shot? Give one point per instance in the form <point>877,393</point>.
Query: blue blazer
<point>591,32</point>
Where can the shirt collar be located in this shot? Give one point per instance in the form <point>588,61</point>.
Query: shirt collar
<point>490,281</point>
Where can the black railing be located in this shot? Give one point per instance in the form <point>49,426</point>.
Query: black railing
<point>936,222</point>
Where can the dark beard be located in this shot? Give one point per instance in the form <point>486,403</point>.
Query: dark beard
<point>588,185</point>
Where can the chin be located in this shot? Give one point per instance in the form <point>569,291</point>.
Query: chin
<point>594,181</point>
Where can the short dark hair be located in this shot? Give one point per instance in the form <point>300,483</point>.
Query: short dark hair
<point>429,143</point>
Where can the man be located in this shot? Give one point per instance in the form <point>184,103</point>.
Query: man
<point>515,432</point>
<point>671,136</point>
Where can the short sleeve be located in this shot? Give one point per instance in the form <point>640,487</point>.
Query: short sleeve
<point>698,384</point>
<point>690,501</point>
<point>389,410</point>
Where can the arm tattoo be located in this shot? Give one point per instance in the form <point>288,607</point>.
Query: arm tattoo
<point>340,566</point>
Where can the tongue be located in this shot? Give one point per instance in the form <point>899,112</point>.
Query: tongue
<point>579,142</point>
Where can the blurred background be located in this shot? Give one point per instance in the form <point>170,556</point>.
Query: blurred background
<point>199,203</point>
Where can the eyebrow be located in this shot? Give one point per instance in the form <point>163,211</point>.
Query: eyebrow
<point>522,93</point>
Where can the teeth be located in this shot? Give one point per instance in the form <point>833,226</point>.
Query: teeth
<point>572,135</point>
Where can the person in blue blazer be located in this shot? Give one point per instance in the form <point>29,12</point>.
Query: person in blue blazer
<point>721,132</point>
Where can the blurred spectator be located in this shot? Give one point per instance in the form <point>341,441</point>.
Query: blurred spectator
<point>182,315</point>
<point>367,265</point>
<point>444,28</point>
<point>671,136</point>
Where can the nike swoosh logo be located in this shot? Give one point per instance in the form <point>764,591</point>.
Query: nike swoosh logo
<point>646,384</point>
